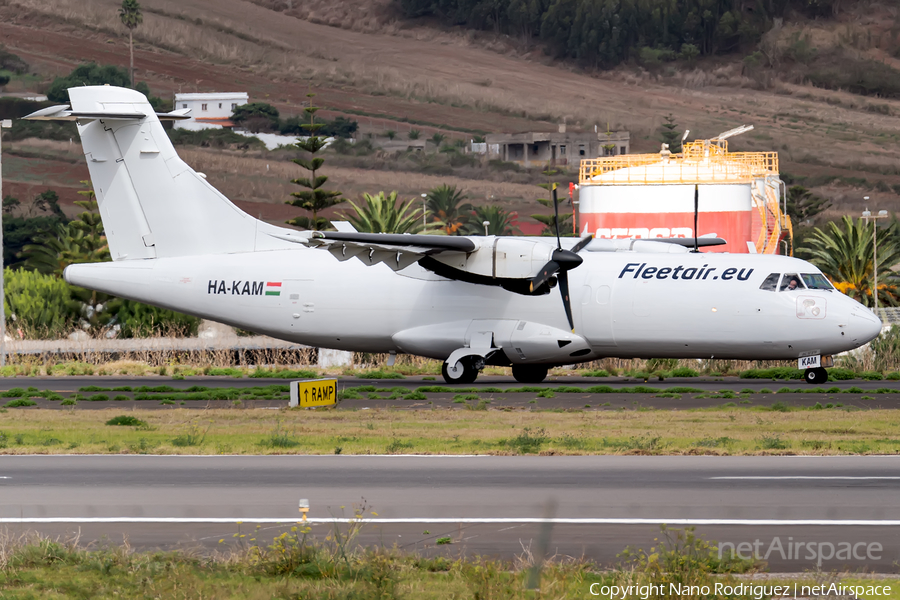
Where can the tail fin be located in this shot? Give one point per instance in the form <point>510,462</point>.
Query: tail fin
<point>153,205</point>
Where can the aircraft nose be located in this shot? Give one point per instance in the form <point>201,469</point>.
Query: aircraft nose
<point>864,326</point>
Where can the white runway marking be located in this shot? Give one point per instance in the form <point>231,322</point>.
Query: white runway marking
<point>451,520</point>
<point>813,477</point>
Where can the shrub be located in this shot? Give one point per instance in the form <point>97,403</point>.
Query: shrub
<point>858,76</point>
<point>841,374</point>
<point>772,442</point>
<point>527,442</point>
<point>40,304</point>
<point>214,138</point>
<point>379,374</point>
<point>685,372</point>
<point>773,373</point>
<point>598,373</point>
<point>126,420</point>
<point>20,402</point>
<point>222,372</point>
<point>94,74</point>
<point>284,374</point>
<point>142,320</point>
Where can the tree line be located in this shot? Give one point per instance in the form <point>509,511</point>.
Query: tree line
<point>604,33</point>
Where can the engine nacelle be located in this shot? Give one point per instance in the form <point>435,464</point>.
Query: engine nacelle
<point>502,258</point>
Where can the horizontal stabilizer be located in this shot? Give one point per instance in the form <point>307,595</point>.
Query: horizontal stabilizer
<point>64,113</point>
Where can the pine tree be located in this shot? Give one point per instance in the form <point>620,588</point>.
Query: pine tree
<point>669,135</point>
<point>314,198</point>
<point>549,221</point>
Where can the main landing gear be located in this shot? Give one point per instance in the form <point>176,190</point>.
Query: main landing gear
<point>816,376</point>
<point>529,373</point>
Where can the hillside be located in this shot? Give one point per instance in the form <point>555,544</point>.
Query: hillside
<point>406,75</point>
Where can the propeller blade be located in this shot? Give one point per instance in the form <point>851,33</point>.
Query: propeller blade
<point>564,291</point>
<point>556,216</point>
<point>582,243</point>
<point>546,272</point>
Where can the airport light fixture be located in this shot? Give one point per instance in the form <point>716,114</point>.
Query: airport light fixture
<point>867,214</point>
<point>4,124</point>
<point>486,225</point>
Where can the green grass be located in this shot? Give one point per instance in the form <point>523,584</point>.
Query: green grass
<point>478,431</point>
<point>127,420</point>
<point>325,561</point>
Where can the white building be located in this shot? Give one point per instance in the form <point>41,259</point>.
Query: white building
<point>209,110</point>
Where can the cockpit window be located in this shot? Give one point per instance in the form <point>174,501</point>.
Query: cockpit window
<point>771,282</point>
<point>790,282</point>
<point>816,281</point>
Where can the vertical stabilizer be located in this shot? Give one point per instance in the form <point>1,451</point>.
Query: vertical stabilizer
<point>153,205</point>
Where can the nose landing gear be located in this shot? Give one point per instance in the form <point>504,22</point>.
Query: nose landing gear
<point>464,371</point>
<point>816,375</point>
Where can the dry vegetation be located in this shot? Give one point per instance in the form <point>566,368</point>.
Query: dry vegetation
<point>845,144</point>
<point>731,431</point>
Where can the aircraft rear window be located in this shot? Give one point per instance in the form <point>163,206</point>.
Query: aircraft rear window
<point>816,281</point>
<point>771,282</point>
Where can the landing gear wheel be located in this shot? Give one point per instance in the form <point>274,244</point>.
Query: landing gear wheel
<point>529,373</point>
<point>464,371</point>
<point>817,375</point>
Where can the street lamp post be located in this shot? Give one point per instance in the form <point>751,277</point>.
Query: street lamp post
<point>424,210</point>
<point>4,124</point>
<point>867,214</point>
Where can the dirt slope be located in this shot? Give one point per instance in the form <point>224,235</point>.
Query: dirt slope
<point>235,44</point>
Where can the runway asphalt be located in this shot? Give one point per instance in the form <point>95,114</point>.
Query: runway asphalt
<point>486,505</point>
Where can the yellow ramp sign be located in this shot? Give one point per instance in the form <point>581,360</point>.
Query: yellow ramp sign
<point>313,392</point>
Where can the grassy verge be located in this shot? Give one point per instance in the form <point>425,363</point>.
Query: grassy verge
<point>297,565</point>
<point>725,430</point>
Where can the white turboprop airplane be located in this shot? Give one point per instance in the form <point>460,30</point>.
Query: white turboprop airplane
<point>176,242</point>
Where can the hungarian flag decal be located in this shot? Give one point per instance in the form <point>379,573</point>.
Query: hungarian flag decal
<point>273,288</point>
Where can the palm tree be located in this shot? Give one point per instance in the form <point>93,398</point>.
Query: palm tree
<point>501,222</point>
<point>131,17</point>
<point>845,254</point>
<point>381,214</point>
<point>446,208</point>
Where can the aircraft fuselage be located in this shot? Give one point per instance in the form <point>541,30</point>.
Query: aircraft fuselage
<point>625,304</point>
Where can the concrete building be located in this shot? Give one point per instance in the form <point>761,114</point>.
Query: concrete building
<point>558,148</point>
<point>209,110</point>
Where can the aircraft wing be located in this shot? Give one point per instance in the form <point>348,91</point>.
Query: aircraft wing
<point>397,251</point>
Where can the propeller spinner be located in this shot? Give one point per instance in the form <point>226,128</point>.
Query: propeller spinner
<point>561,262</point>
